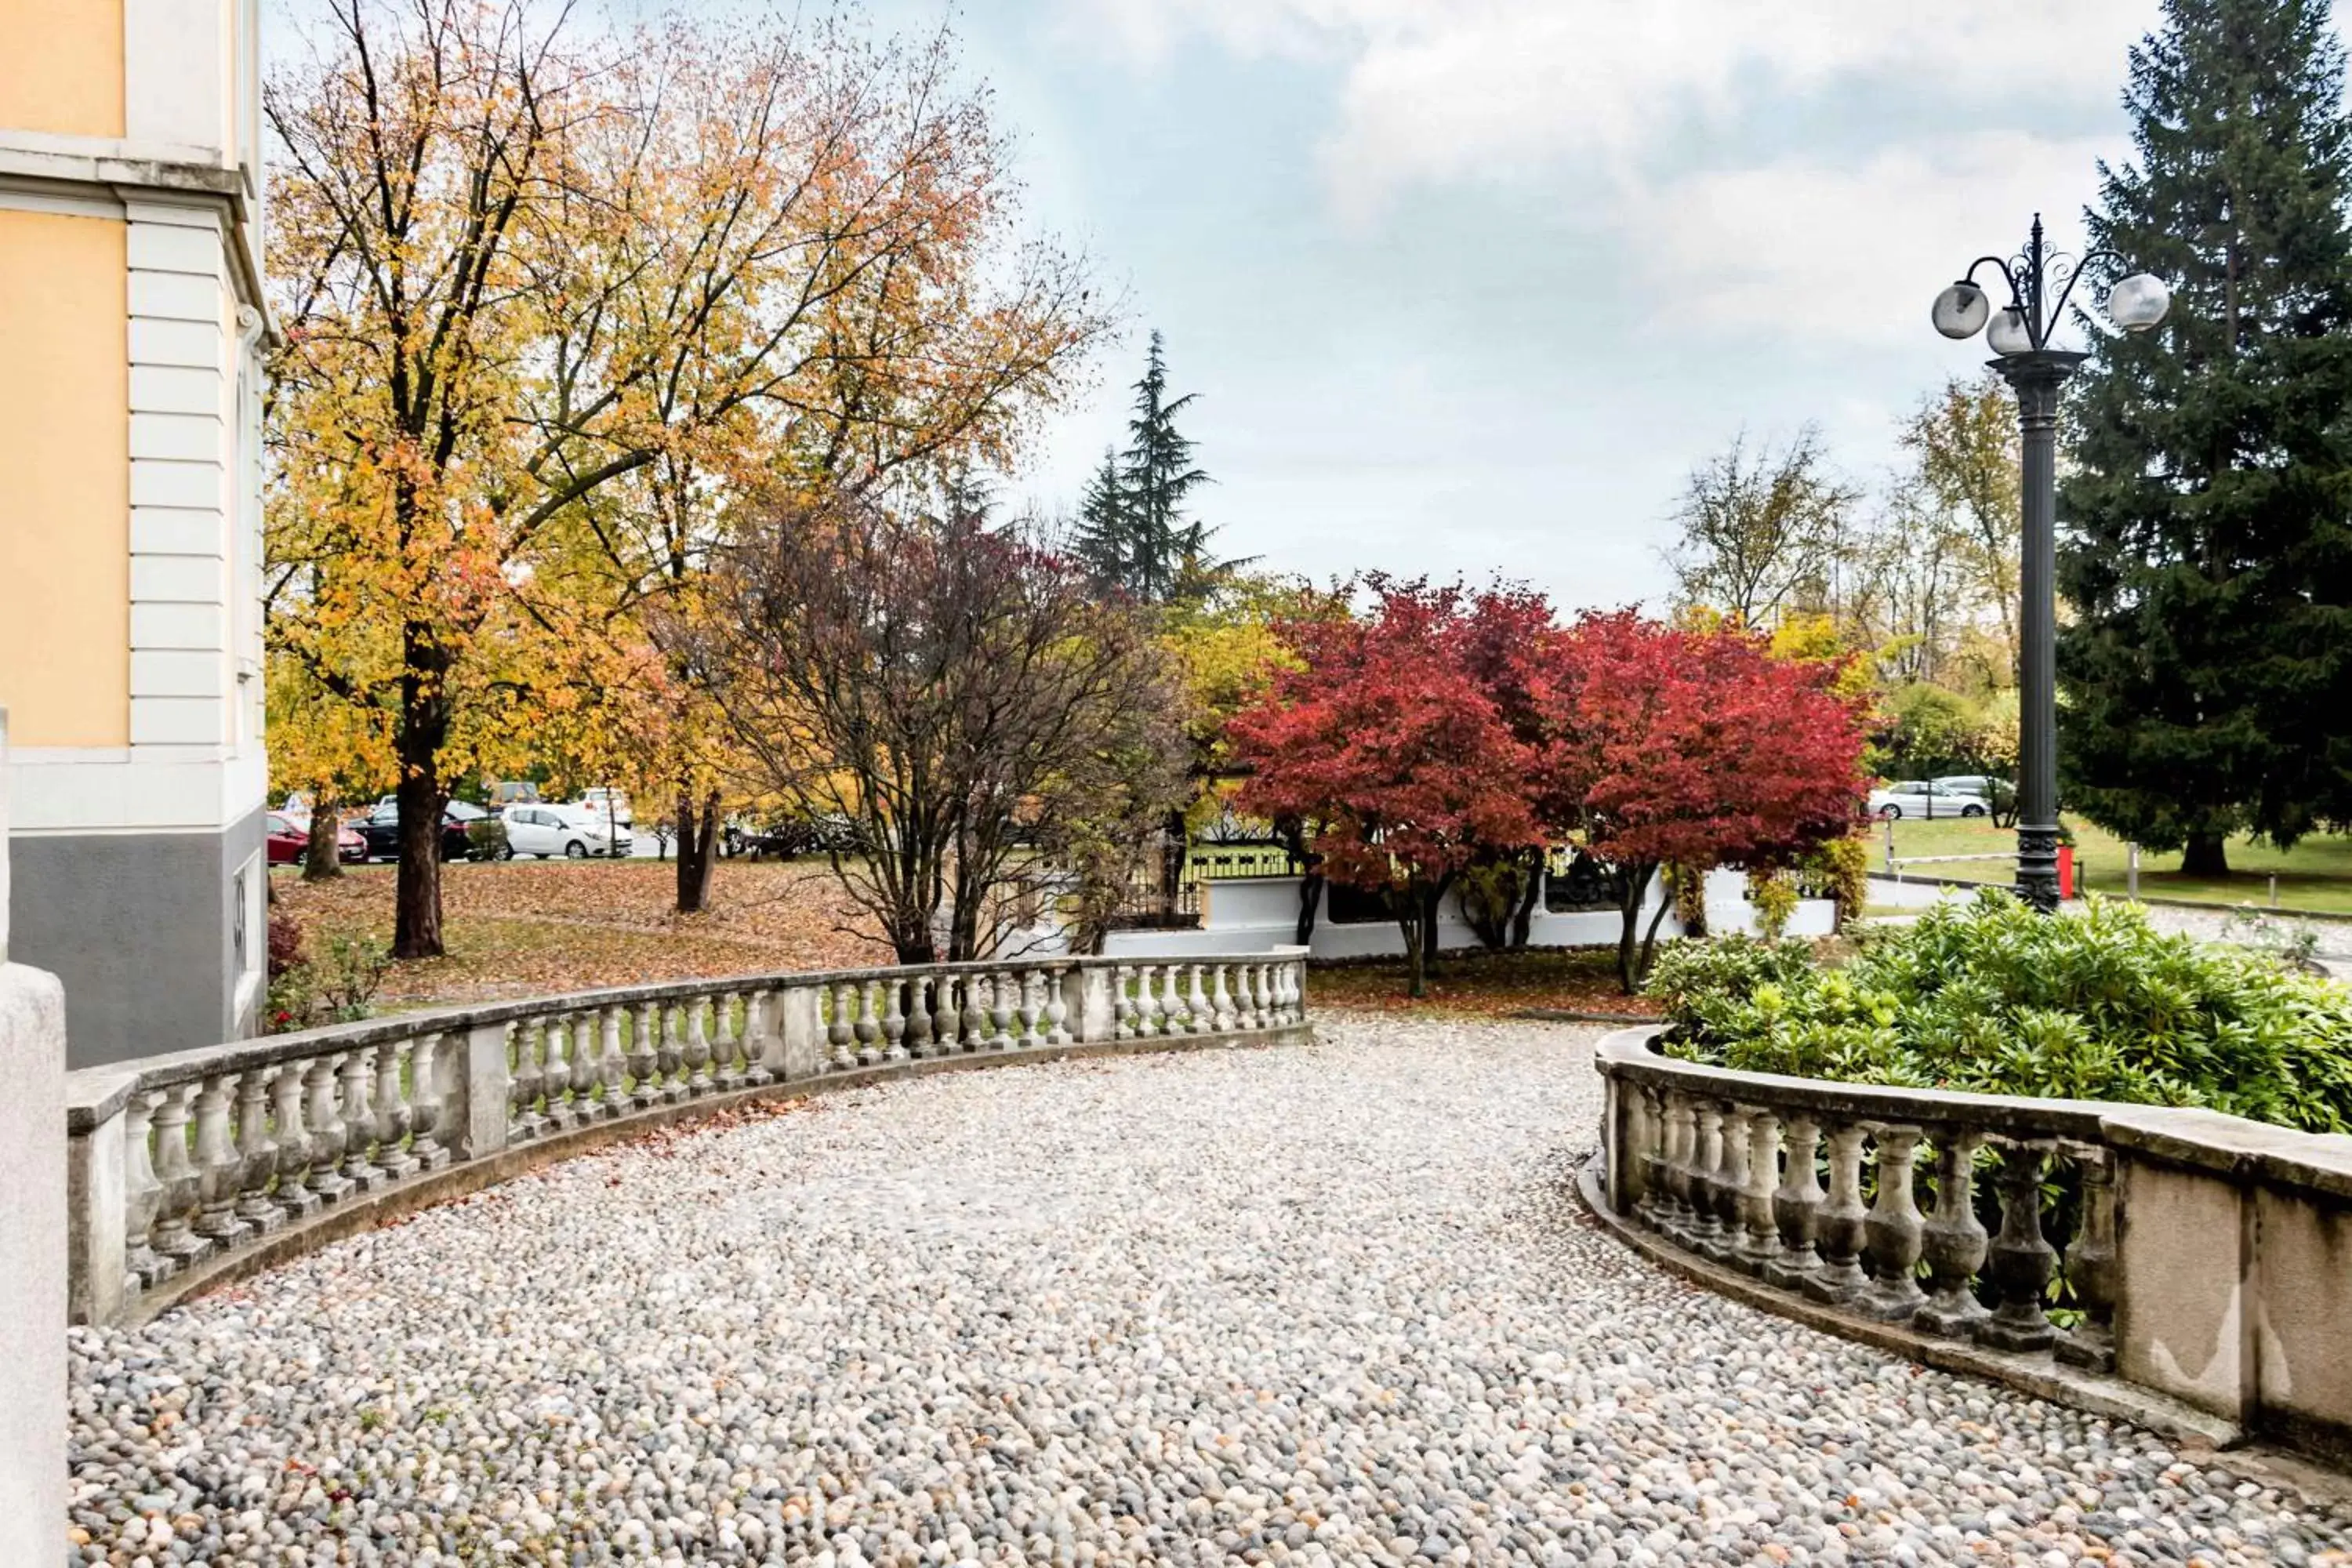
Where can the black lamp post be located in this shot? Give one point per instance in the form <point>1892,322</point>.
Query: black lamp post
<point>2020,335</point>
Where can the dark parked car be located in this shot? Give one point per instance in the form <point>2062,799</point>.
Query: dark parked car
<point>788,837</point>
<point>290,840</point>
<point>382,829</point>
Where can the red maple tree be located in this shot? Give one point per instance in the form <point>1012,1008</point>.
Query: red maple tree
<point>1694,748</point>
<point>1400,736</point>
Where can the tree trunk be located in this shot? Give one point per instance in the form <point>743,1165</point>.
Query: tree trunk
<point>1429,900</point>
<point>1416,957</point>
<point>1523,922</point>
<point>1629,943</point>
<point>1310,899</point>
<point>423,726</point>
<point>2207,856</point>
<point>321,858</point>
<point>416,893</point>
<point>697,841</point>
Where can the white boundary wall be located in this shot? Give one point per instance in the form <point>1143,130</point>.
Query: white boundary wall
<point>1257,914</point>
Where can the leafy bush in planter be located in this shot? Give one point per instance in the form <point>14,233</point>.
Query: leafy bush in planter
<point>1988,997</point>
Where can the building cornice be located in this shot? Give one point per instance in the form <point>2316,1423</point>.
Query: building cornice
<point>117,172</point>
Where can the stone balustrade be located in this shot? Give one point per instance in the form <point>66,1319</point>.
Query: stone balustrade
<point>181,1165</point>
<point>2206,1259</point>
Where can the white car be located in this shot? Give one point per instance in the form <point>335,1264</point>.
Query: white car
<point>607,805</point>
<point>1918,797</point>
<point>569,831</point>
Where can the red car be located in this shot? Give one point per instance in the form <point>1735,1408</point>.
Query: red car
<point>290,840</point>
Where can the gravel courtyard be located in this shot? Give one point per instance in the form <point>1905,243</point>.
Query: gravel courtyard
<point>1310,1305</point>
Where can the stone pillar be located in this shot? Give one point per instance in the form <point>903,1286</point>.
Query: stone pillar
<point>32,1246</point>
<point>484,1081</point>
<point>1095,1014</point>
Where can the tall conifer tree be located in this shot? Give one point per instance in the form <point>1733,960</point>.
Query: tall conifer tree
<point>2208,543</point>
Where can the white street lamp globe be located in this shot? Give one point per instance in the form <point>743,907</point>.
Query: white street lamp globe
<point>1960,311</point>
<point>2138,302</point>
<point>2009,334</point>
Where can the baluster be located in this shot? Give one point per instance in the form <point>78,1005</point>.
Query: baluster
<point>978,994</point>
<point>1892,1231</point>
<point>1173,1020</point>
<point>645,1089</point>
<point>1797,1208</point>
<point>1025,1008</point>
<point>439,1061</point>
<point>1150,1016</point>
<point>1759,1242</point>
<point>697,1053</point>
<point>842,1030</point>
<point>729,1045</point>
<point>1058,1004</point>
<point>1222,1013</point>
<point>359,1121</point>
<point>612,1067</point>
<point>524,1087</point>
<point>669,1052</point>
<point>918,1015</point>
<point>893,1021</point>
<point>327,1131</point>
<point>1680,1210</point>
<point>2020,1261</point>
<point>394,1119</point>
<point>2091,1264</point>
<point>1255,1003</point>
<point>935,998</point>
<point>1288,992</point>
<point>865,1024</point>
<point>293,1196</point>
<point>1705,1229</point>
<point>1650,1154</point>
<point>952,1023</point>
<point>1730,1183</point>
<point>1002,1002</point>
<point>1843,1220</point>
<point>142,1195</point>
<point>1952,1241</point>
<point>179,1179</point>
<point>1124,1016</point>
<point>555,1074</point>
<point>1197,1014</point>
<point>257,1153</point>
<point>430,1100</point>
<point>1262,985</point>
<point>582,1042</point>
<point>218,1168</point>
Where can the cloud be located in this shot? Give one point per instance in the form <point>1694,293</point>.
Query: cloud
<point>1437,90</point>
<point>1819,253</point>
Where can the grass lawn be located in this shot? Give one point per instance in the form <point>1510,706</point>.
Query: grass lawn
<point>1484,984</point>
<point>529,929</point>
<point>2316,874</point>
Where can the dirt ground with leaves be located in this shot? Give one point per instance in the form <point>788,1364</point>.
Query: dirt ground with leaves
<point>517,929</point>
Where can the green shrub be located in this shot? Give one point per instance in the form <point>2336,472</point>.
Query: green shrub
<point>1988,997</point>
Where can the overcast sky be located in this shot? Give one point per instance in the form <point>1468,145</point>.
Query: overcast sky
<point>1466,286</point>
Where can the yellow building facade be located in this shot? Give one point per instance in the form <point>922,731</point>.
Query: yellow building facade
<point>131,327</point>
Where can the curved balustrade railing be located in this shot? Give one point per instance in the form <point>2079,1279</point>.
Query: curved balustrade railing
<point>2207,1260</point>
<point>181,1162</point>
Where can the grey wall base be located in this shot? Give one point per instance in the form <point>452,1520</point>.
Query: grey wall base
<point>32,1266</point>
<point>143,929</point>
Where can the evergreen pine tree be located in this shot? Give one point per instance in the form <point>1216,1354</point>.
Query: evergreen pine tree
<point>1156,475</point>
<point>1104,540</point>
<point>2208,543</point>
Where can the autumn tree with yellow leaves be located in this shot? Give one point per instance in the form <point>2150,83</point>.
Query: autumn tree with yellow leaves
<point>557,298</point>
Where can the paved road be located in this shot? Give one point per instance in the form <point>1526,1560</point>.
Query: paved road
<point>1321,1305</point>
